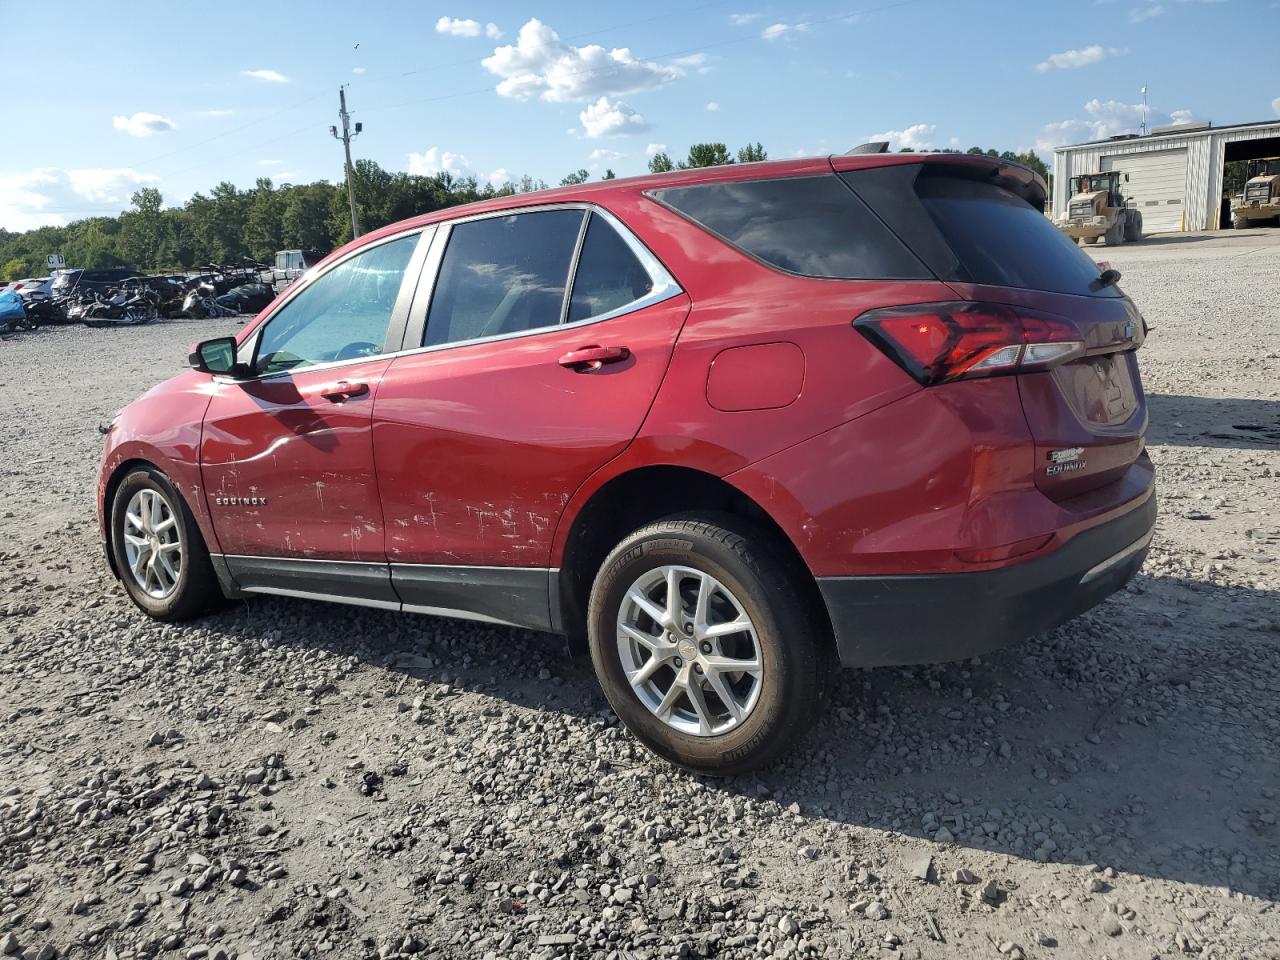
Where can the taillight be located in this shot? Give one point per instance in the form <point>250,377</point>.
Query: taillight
<point>937,342</point>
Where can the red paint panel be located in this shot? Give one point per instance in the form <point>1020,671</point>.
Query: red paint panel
<point>479,447</point>
<point>310,457</point>
<point>162,427</point>
<point>762,376</point>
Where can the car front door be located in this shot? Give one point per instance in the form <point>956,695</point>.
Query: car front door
<point>286,453</point>
<point>546,338</point>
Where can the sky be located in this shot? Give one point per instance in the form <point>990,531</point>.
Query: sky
<point>180,96</point>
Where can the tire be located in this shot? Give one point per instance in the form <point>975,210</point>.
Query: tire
<point>1239,223</point>
<point>1115,233</point>
<point>194,590</point>
<point>785,639</point>
<point>1133,227</point>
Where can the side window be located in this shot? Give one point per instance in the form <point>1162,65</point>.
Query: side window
<point>608,275</point>
<point>344,314</point>
<point>503,275</point>
<point>813,226</point>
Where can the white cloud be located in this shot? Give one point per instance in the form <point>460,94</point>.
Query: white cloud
<point>51,195</point>
<point>499,177</point>
<point>713,107</point>
<point>692,60</point>
<point>467,28</point>
<point>742,19</point>
<point>1149,12</point>
<point>918,136</point>
<point>1275,104</point>
<point>217,113</point>
<point>286,176</point>
<point>777,31</point>
<point>358,70</point>
<point>1074,59</point>
<point>601,155</point>
<point>433,160</point>
<point>610,119</point>
<point>271,76</point>
<point>540,63</point>
<point>143,124</point>
<point>1106,118</point>
<point>653,149</point>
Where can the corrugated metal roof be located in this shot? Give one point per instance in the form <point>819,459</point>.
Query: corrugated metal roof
<point>1192,131</point>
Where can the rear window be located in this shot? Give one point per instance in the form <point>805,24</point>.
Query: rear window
<point>1000,239</point>
<point>813,226</point>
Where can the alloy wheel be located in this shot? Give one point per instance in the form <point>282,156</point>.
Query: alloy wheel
<point>689,650</point>
<point>152,543</point>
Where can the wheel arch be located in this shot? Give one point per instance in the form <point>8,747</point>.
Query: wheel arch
<point>640,496</point>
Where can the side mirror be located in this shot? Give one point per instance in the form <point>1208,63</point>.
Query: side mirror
<point>215,356</point>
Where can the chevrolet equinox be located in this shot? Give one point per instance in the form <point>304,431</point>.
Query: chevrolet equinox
<point>723,427</point>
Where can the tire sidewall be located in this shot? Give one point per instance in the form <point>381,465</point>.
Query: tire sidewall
<point>775,711</point>
<point>150,479</point>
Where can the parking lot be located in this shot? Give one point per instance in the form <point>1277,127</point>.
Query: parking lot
<point>289,779</point>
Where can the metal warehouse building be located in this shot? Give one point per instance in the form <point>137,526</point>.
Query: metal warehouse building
<point>1175,173</point>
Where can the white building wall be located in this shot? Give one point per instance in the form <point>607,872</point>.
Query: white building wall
<point>1205,154</point>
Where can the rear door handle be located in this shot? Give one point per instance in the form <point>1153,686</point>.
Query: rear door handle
<point>344,390</point>
<point>592,358</point>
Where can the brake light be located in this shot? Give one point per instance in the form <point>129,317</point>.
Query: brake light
<point>937,342</point>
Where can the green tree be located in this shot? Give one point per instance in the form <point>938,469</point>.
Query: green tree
<point>609,175</point>
<point>14,269</point>
<point>707,155</point>
<point>661,163</point>
<point>575,178</point>
<point>141,229</point>
<point>752,153</point>
<point>264,221</point>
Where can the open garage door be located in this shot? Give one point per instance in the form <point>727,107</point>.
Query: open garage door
<point>1157,186</point>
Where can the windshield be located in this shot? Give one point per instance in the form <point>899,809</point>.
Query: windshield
<point>1093,183</point>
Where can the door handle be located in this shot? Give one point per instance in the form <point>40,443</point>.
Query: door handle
<point>344,390</point>
<point>592,358</point>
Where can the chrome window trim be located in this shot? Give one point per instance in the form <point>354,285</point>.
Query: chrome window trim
<point>664,288</point>
<point>664,284</point>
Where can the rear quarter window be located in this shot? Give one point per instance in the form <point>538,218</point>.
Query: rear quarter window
<point>812,226</point>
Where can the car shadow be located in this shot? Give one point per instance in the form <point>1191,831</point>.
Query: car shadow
<point>1233,422</point>
<point>1141,736</point>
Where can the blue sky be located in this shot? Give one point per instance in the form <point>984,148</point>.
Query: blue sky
<point>180,95</point>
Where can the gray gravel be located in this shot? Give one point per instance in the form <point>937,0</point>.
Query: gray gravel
<point>291,779</point>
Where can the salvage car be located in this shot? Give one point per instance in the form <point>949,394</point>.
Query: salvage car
<point>724,427</point>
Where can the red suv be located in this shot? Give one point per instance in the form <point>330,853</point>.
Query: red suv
<point>725,426</point>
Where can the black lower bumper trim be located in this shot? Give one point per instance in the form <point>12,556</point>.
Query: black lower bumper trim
<point>934,618</point>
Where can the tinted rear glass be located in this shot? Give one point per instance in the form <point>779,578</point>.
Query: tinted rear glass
<point>1000,239</point>
<point>814,226</point>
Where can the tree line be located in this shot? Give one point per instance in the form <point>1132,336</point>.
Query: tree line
<point>229,223</point>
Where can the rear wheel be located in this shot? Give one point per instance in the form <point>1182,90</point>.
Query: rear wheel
<point>705,646</point>
<point>1133,227</point>
<point>158,550</point>
<point>1239,223</point>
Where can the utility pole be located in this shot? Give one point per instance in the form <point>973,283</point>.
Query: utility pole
<point>1142,130</point>
<point>346,137</point>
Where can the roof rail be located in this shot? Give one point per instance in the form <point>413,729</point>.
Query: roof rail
<point>875,146</point>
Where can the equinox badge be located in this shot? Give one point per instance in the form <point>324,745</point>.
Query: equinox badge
<point>1065,461</point>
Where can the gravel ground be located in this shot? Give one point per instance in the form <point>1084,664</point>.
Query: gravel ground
<point>290,779</point>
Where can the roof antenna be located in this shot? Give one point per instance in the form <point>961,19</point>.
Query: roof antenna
<point>875,146</point>
<point>1142,129</point>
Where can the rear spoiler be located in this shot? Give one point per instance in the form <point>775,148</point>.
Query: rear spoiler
<point>1014,177</point>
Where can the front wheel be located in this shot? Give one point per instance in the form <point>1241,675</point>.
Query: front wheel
<point>158,550</point>
<point>707,645</point>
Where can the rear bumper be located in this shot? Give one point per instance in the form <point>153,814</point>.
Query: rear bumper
<point>934,618</point>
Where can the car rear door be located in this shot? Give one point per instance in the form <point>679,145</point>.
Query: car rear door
<point>544,339</point>
<point>287,455</point>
